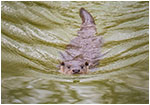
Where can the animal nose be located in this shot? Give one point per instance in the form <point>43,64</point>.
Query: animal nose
<point>76,71</point>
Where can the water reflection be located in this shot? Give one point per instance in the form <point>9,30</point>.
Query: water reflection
<point>34,32</point>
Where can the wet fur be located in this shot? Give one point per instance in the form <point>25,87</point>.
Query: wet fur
<point>84,50</point>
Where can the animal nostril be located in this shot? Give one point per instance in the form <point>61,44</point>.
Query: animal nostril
<point>76,71</point>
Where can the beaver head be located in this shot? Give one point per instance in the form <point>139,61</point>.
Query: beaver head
<point>74,67</point>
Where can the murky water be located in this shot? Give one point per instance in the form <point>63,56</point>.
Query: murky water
<point>34,32</point>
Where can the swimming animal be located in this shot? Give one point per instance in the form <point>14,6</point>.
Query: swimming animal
<point>83,52</point>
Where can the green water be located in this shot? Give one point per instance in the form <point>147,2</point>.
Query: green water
<point>32,34</point>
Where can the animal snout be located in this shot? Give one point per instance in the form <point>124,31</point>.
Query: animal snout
<point>76,71</point>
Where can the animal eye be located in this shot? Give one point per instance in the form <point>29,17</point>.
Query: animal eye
<point>86,63</point>
<point>62,64</point>
<point>68,67</point>
<point>82,67</point>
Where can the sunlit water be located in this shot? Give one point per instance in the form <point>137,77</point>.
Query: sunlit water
<point>33,33</point>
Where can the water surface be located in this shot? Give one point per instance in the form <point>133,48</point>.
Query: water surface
<point>32,34</point>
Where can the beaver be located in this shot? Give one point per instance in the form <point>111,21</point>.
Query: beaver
<point>83,52</point>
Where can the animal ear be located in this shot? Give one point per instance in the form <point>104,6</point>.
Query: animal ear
<point>62,64</point>
<point>86,63</point>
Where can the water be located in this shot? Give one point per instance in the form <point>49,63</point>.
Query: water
<point>34,32</point>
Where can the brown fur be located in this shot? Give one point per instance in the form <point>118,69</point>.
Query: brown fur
<point>83,52</point>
